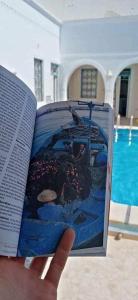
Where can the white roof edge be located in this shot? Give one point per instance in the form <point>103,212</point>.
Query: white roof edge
<point>43,12</point>
<point>130,18</point>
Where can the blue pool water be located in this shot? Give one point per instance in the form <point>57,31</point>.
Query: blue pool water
<point>125,168</point>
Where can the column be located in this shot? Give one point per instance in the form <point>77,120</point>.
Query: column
<point>109,91</point>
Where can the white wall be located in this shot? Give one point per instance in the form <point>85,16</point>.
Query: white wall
<point>114,35</point>
<point>54,7</point>
<point>108,44</point>
<point>24,35</point>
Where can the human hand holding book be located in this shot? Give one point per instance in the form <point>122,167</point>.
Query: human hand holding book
<point>17,282</point>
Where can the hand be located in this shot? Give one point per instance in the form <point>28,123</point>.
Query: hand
<point>19,283</point>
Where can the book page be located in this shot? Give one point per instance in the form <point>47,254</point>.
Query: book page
<point>69,179</point>
<point>17,117</point>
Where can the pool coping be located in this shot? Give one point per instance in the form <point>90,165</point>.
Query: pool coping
<point>126,127</point>
<point>123,219</point>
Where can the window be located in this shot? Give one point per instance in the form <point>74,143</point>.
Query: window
<point>38,79</point>
<point>54,72</point>
<point>88,83</point>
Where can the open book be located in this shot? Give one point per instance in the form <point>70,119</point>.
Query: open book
<point>55,172</point>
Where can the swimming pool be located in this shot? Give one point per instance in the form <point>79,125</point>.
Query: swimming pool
<point>125,168</point>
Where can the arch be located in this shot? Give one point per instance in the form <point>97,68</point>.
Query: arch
<point>122,66</point>
<point>69,69</point>
<point>87,62</point>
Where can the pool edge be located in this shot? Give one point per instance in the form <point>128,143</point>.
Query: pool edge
<point>123,218</point>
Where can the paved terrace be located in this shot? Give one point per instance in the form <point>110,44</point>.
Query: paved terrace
<point>126,121</point>
<point>103,278</point>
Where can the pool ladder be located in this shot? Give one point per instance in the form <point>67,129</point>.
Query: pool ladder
<point>117,125</point>
<point>130,130</point>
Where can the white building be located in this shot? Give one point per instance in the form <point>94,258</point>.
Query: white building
<point>73,49</point>
<point>26,35</point>
<point>109,45</point>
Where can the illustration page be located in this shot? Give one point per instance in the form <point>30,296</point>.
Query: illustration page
<point>67,182</point>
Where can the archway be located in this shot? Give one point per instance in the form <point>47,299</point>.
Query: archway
<point>126,91</point>
<point>86,82</point>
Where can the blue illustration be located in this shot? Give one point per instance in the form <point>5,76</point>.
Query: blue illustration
<point>66,185</point>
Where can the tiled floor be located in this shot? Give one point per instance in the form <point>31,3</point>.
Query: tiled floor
<point>113,277</point>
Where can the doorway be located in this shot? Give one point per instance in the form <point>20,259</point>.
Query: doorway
<point>125,76</point>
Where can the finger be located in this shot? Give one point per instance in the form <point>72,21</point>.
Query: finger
<point>60,257</point>
<point>38,265</point>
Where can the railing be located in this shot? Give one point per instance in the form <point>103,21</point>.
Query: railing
<point>117,125</point>
<point>130,129</point>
